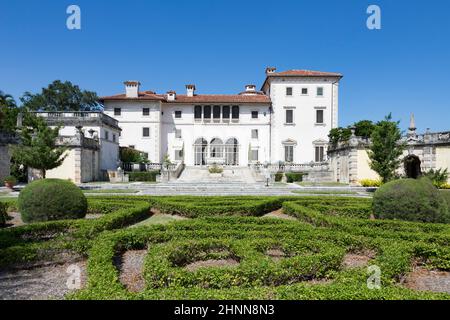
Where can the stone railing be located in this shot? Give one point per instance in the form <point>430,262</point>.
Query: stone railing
<point>435,137</point>
<point>172,171</point>
<point>77,141</point>
<point>291,167</point>
<point>78,117</point>
<point>142,167</point>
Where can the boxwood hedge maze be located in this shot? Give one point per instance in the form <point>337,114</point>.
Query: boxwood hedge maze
<point>227,248</point>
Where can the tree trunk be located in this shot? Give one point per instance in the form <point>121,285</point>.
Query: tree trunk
<point>44,172</point>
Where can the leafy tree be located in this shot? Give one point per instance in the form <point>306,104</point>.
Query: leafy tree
<point>38,148</point>
<point>386,148</point>
<point>339,134</point>
<point>129,155</point>
<point>61,96</point>
<point>364,128</point>
<point>8,113</point>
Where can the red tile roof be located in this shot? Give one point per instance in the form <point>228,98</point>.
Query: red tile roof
<point>222,98</point>
<point>304,73</point>
<point>146,95</point>
<point>201,98</point>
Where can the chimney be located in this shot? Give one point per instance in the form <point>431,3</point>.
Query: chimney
<point>171,95</point>
<point>190,90</point>
<point>270,70</point>
<point>250,88</point>
<point>132,89</point>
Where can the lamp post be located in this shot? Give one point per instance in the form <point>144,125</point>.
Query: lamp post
<point>267,173</point>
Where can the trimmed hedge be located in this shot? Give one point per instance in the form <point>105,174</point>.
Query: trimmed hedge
<point>149,176</point>
<point>410,200</point>
<point>51,199</point>
<point>314,246</point>
<point>311,253</point>
<point>292,177</point>
<point>28,242</point>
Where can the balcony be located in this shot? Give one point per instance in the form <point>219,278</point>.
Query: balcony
<point>78,118</point>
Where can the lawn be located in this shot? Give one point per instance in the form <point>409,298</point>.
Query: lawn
<point>224,249</point>
<point>116,191</point>
<point>332,192</point>
<point>322,184</point>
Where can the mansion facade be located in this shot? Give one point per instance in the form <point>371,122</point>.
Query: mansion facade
<point>287,120</point>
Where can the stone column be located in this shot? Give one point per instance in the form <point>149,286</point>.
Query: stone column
<point>353,158</point>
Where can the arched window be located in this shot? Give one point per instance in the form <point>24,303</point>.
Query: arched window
<point>232,152</point>
<point>216,150</point>
<point>200,148</point>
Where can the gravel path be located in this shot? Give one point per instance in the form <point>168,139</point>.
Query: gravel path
<point>40,283</point>
<point>357,259</point>
<point>279,215</point>
<point>428,280</point>
<point>211,263</point>
<point>131,267</point>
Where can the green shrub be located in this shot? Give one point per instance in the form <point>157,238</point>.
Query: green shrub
<point>3,214</point>
<point>294,177</point>
<point>370,183</point>
<point>412,200</point>
<point>149,176</point>
<point>438,177</point>
<point>10,179</point>
<point>215,169</point>
<point>52,199</point>
<point>278,176</point>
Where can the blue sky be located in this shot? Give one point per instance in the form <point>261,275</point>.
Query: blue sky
<point>223,45</point>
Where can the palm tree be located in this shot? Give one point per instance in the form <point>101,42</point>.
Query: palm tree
<point>7,100</point>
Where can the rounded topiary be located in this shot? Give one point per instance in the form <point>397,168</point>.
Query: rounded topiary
<point>52,199</point>
<point>411,200</point>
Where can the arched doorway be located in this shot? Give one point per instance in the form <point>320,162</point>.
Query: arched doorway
<point>232,152</point>
<point>200,149</point>
<point>412,166</point>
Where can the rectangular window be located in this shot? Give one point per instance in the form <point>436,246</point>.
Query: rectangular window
<point>226,112</point>
<point>320,91</point>
<point>255,114</point>
<point>289,91</point>
<point>255,134</point>
<point>235,113</point>
<point>114,138</point>
<point>319,116</point>
<point>304,91</point>
<point>117,111</point>
<point>146,132</point>
<point>178,133</point>
<point>178,114</point>
<point>178,155</point>
<point>146,112</point>
<point>198,112</point>
<point>320,154</point>
<point>207,112</point>
<point>289,116</point>
<point>216,112</point>
<point>255,155</point>
<point>106,135</point>
<point>289,153</point>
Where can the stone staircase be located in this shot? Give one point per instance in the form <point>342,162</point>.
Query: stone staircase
<point>198,181</point>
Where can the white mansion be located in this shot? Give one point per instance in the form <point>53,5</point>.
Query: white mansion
<point>288,120</point>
